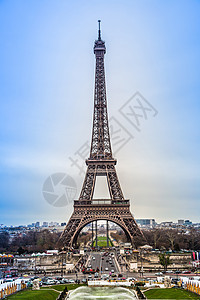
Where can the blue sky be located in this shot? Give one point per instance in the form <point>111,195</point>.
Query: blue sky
<point>46,93</point>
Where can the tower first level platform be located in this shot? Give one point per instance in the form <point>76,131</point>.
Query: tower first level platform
<point>86,212</point>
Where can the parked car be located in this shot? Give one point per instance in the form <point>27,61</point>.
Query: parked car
<point>56,281</point>
<point>50,281</point>
<point>132,279</point>
<point>71,281</point>
<point>174,280</point>
<point>77,281</point>
<point>186,272</point>
<point>61,281</point>
<point>104,276</point>
<point>9,280</point>
<point>59,278</point>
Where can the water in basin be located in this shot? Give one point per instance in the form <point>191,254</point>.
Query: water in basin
<point>101,293</point>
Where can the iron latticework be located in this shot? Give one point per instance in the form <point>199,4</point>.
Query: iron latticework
<point>100,163</point>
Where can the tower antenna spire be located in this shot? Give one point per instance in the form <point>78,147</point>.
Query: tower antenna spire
<point>99,36</point>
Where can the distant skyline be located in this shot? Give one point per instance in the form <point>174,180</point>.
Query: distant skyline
<point>46,93</point>
<point>100,222</point>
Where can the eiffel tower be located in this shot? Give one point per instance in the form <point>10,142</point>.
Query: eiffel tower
<point>100,163</point>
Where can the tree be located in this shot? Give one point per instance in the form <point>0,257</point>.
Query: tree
<point>4,241</point>
<point>194,239</point>
<point>35,241</point>
<point>171,235</point>
<point>164,260</point>
<point>20,250</point>
<point>154,237</point>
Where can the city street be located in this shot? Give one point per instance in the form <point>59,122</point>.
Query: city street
<point>105,263</point>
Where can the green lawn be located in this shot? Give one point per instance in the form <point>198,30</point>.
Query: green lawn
<point>170,294</point>
<point>102,242</point>
<point>32,295</point>
<point>45,293</point>
<point>61,287</point>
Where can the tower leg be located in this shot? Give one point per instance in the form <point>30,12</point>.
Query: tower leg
<point>92,234</point>
<point>107,233</point>
<point>96,234</point>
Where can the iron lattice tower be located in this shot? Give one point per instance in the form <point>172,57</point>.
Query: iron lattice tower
<point>100,163</point>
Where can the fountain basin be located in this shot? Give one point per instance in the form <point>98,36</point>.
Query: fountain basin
<point>101,293</point>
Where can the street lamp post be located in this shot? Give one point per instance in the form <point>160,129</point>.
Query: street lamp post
<point>141,260</point>
<point>96,235</point>
<point>107,233</point>
<point>35,264</point>
<point>92,234</point>
<point>62,264</point>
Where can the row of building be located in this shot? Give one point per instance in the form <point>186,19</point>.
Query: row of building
<point>151,223</point>
<point>143,223</point>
